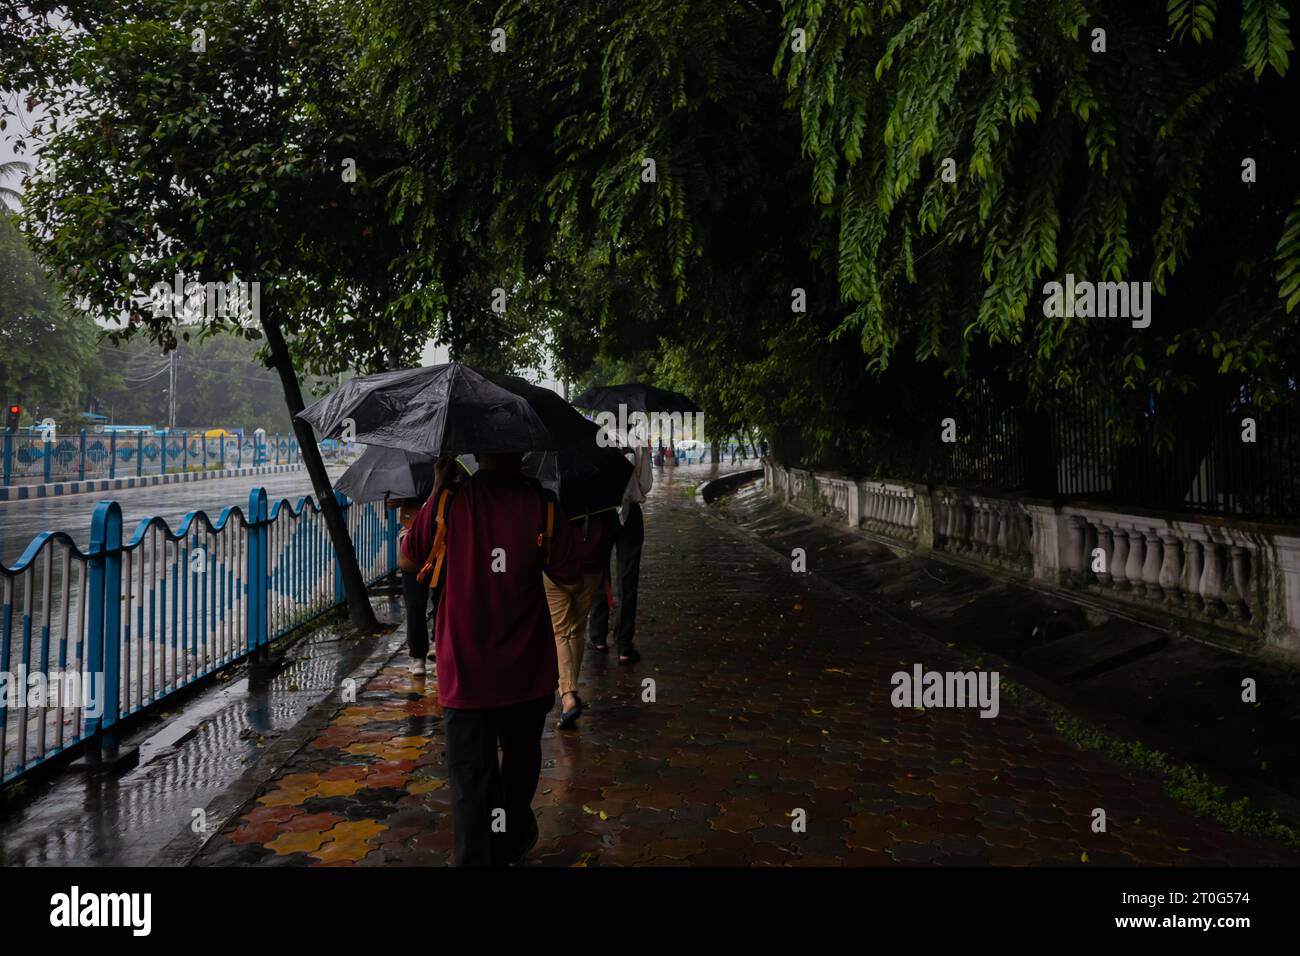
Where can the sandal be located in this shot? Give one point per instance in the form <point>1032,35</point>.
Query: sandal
<point>599,646</point>
<point>631,657</point>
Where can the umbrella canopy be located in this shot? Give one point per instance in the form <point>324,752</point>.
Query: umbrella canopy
<point>636,397</point>
<point>382,473</point>
<point>449,409</point>
<point>585,478</point>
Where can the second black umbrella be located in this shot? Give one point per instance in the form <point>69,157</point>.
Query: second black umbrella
<point>382,473</point>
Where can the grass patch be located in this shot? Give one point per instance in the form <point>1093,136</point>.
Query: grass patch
<point>1183,782</point>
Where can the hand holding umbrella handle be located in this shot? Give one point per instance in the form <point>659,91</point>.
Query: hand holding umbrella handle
<point>442,472</point>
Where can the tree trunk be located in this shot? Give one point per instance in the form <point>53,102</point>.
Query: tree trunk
<point>354,585</point>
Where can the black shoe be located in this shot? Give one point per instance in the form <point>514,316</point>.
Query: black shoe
<point>569,718</point>
<point>529,843</point>
<point>631,656</point>
<point>598,645</point>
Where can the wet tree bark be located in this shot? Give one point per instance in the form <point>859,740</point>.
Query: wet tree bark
<point>360,612</point>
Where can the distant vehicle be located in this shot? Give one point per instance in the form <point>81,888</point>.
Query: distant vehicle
<point>219,433</point>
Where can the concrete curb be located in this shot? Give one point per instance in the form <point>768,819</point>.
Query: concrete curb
<point>713,489</point>
<point>98,485</point>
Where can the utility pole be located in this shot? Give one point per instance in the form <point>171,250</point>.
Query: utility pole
<point>171,391</point>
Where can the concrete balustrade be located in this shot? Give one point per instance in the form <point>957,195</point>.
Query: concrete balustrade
<point>889,508</point>
<point>1234,575</point>
<point>1202,569</point>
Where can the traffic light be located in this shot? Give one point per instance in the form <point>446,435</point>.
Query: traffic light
<point>12,414</point>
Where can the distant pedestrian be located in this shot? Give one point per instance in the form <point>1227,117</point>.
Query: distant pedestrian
<point>492,540</point>
<point>416,595</point>
<point>628,540</point>
<point>570,605</point>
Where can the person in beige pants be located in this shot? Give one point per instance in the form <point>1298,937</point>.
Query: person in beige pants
<point>570,605</point>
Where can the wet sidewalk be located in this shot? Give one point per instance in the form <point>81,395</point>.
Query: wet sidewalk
<point>771,696</point>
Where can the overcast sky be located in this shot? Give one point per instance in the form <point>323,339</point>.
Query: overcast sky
<point>23,123</point>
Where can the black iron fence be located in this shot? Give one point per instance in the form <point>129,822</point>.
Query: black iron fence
<point>1214,450</point>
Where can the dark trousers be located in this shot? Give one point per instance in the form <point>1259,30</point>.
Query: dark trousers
<point>415,600</point>
<point>481,787</point>
<point>627,549</point>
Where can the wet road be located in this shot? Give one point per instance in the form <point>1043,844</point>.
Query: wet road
<point>20,521</point>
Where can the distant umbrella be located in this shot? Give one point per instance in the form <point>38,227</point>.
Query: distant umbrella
<point>636,397</point>
<point>449,409</point>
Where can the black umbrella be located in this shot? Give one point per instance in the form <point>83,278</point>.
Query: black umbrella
<point>585,478</point>
<point>387,473</point>
<point>448,409</point>
<point>636,397</point>
<point>639,400</point>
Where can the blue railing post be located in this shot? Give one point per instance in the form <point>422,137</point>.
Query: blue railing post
<point>162,453</point>
<point>112,455</point>
<point>81,468</point>
<point>392,539</point>
<point>103,640</point>
<point>239,451</point>
<point>47,457</point>
<point>223,452</point>
<point>204,439</point>
<point>255,573</point>
<point>340,592</point>
<point>9,458</point>
<point>185,453</point>
<point>139,454</point>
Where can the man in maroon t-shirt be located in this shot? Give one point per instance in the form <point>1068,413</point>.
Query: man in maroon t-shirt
<point>495,648</point>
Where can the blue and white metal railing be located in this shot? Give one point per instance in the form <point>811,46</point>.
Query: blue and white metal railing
<point>32,457</point>
<point>90,638</point>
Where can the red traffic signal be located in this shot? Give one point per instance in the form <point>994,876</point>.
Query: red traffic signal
<point>12,414</point>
